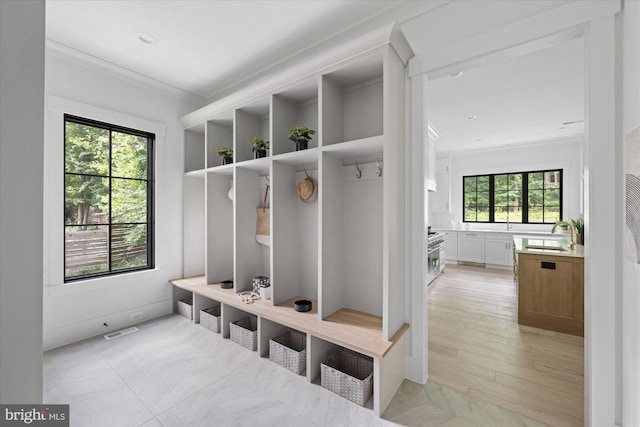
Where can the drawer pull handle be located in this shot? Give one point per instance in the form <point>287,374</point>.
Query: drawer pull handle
<point>548,265</point>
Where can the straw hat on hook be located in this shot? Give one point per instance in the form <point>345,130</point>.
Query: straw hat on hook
<point>307,189</point>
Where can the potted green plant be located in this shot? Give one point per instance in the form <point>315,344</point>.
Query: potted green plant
<point>301,136</point>
<point>259,147</point>
<point>226,153</point>
<point>578,224</point>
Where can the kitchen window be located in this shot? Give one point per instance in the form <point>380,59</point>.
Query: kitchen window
<point>108,199</point>
<point>521,197</point>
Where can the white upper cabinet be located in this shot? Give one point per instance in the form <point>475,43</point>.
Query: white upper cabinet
<point>432,137</point>
<point>440,200</point>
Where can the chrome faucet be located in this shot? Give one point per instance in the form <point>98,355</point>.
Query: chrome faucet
<point>572,245</point>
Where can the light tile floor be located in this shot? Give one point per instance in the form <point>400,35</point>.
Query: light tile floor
<point>174,373</point>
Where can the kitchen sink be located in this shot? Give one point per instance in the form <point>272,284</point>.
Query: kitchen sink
<point>553,248</point>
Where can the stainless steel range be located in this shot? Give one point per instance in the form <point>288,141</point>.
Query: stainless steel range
<point>435,259</point>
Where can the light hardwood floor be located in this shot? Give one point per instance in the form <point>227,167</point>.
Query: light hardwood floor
<point>477,347</point>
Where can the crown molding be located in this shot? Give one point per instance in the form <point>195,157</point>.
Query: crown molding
<point>69,54</point>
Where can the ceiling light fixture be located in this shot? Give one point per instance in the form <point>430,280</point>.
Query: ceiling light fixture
<point>470,117</point>
<point>455,75</point>
<point>147,38</point>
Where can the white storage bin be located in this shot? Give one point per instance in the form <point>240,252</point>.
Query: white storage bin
<point>245,332</point>
<point>210,318</point>
<point>185,306</point>
<point>349,375</point>
<point>289,350</point>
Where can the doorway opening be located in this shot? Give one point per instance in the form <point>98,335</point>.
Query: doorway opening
<point>519,112</point>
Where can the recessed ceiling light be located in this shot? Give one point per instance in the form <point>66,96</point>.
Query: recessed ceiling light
<point>455,75</point>
<point>470,117</point>
<point>147,38</point>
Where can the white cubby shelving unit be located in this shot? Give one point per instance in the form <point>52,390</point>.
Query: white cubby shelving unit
<point>344,250</point>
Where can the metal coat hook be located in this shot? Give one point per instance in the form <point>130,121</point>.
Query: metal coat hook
<point>379,172</point>
<point>266,177</point>
<point>359,174</point>
<point>307,173</point>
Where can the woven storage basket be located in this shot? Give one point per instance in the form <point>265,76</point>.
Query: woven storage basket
<point>244,332</point>
<point>184,307</point>
<point>210,318</point>
<point>289,350</point>
<point>349,375</point>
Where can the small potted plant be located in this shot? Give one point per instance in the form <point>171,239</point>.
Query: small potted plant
<point>578,224</point>
<point>259,147</point>
<point>226,153</point>
<point>301,136</point>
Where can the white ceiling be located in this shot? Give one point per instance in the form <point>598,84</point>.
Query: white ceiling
<point>523,99</point>
<point>202,46</point>
<point>207,47</point>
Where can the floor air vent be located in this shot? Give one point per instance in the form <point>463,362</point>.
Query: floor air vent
<point>123,332</point>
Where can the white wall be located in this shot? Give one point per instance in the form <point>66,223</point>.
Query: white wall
<point>631,281</point>
<point>565,155</point>
<point>91,88</point>
<point>21,158</point>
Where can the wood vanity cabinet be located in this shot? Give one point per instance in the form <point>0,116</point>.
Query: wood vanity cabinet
<point>551,292</point>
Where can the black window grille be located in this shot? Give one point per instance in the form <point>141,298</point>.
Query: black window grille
<point>522,197</point>
<point>108,199</point>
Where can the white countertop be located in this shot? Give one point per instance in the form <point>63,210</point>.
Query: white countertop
<point>519,232</point>
<point>539,245</point>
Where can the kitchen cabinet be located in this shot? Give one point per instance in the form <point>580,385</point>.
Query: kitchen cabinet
<point>551,292</point>
<point>432,136</point>
<point>440,201</point>
<point>471,247</point>
<point>442,165</point>
<point>499,250</point>
<point>451,246</point>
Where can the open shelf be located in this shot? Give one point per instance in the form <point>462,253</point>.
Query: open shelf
<point>302,158</point>
<point>352,255</point>
<point>221,169</point>
<point>194,226</point>
<point>262,165</point>
<point>200,173</point>
<point>218,134</point>
<point>362,150</point>
<point>294,106</point>
<point>352,101</point>
<point>294,234</point>
<point>250,122</point>
<point>251,258</point>
<point>194,151</point>
<point>220,259</point>
<point>351,329</point>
